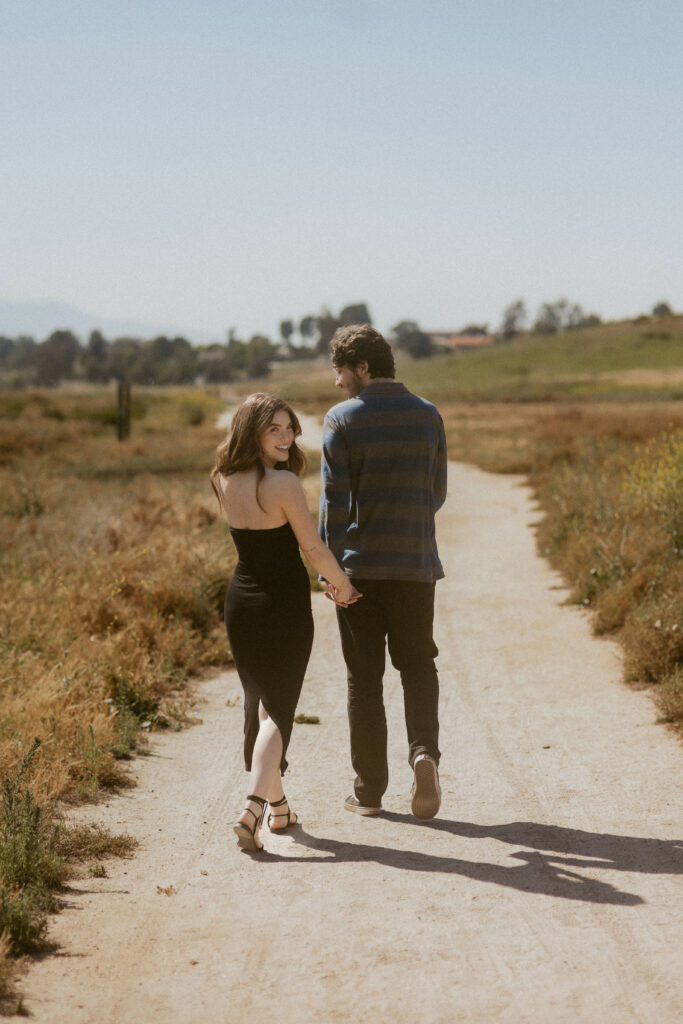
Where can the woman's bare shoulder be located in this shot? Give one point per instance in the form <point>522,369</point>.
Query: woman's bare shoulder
<point>282,479</point>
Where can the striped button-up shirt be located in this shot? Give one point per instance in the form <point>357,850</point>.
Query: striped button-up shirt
<point>383,479</point>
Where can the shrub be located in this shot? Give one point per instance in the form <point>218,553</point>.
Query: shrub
<point>27,839</point>
<point>655,484</point>
<point>669,697</point>
<point>29,864</point>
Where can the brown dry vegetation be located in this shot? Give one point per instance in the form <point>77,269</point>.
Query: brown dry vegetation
<point>114,567</point>
<point>115,564</point>
<point>608,479</point>
<point>613,530</point>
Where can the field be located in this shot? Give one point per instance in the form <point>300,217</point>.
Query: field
<point>115,563</point>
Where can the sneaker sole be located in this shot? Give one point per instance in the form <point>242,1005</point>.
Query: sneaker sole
<point>365,812</point>
<point>426,796</point>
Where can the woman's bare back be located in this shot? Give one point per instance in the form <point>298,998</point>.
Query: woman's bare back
<point>240,506</point>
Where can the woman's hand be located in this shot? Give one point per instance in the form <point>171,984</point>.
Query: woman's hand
<point>344,595</point>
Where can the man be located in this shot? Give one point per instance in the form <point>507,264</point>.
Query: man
<point>383,479</point>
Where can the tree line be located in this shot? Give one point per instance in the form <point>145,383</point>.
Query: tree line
<point>165,360</point>
<point>174,360</point>
<point>160,360</point>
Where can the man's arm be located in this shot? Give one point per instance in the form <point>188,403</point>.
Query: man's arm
<point>335,489</point>
<point>441,475</point>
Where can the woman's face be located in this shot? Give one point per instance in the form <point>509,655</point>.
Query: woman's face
<point>277,439</point>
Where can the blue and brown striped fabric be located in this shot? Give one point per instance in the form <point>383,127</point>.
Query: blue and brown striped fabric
<point>383,478</point>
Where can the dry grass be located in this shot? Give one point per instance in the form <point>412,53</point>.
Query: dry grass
<point>115,562</point>
<point>115,576</point>
<point>607,471</point>
<point>114,568</point>
<point>608,482</point>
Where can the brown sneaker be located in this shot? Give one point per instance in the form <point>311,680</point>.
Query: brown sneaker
<point>426,792</point>
<point>353,804</point>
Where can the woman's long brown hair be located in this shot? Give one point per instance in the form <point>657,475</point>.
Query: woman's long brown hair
<point>242,448</point>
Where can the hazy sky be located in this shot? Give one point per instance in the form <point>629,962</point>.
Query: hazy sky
<point>214,164</point>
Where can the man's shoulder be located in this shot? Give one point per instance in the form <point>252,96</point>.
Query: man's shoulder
<point>418,400</point>
<point>339,412</point>
<point>372,403</point>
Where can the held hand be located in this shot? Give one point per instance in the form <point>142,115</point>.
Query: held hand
<point>344,595</point>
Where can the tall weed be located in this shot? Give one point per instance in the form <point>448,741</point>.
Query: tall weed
<point>610,486</point>
<point>654,484</point>
<point>29,864</point>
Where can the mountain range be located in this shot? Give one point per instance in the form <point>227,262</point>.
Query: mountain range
<point>39,319</point>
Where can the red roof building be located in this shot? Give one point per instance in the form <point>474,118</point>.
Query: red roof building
<point>460,342</point>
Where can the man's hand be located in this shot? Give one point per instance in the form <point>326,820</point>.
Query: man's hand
<point>333,594</point>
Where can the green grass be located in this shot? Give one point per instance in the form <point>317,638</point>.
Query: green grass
<point>29,865</point>
<point>617,361</point>
<point>597,362</point>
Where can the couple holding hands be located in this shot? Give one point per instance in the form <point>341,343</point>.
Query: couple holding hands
<point>383,479</point>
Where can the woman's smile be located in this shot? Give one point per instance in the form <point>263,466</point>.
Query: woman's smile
<point>277,439</point>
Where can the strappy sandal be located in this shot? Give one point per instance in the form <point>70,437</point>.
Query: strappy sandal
<point>246,837</point>
<point>291,816</point>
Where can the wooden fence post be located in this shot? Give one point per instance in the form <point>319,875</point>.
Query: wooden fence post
<point>123,411</point>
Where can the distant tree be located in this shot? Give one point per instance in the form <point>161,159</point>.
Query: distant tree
<point>6,348</point>
<point>286,330</point>
<point>408,337</point>
<point>150,357</point>
<point>574,317</point>
<point>356,313</point>
<point>475,330</point>
<point>236,354</point>
<point>302,352</point>
<point>24,353</point>
<point>550,317</point>
<point>55,357</point>
<point>160,349</point>
<point>95,358</point>
<point>213,363</point>
<point>307,328</point>
<point>326,325</point>
<point>259,353</point>
<point>182,367</point>
<point>554,317</point>
<point>514,319</point>
<point>662,309</point>
<point>164,360</point>
<point>124,354</point>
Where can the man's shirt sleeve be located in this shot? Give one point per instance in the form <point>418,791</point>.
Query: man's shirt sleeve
<point>441,475</point>
<point>335,489</point>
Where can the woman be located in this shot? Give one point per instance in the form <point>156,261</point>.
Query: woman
<point>268,603</point>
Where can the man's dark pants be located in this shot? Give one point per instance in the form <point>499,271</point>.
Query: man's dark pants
<point>400,613</point>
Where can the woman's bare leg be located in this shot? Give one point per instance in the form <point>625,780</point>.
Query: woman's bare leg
<point>264,779</point>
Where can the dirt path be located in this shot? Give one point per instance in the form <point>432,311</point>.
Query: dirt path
<point>547,891</point>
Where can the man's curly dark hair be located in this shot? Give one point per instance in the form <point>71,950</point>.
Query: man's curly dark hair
<point>360,343</point>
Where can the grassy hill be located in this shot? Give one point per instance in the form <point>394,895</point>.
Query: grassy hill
<point>629,359</point>
<point>636,360</point>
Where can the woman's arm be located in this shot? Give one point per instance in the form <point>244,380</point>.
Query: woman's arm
<point>292,500</point>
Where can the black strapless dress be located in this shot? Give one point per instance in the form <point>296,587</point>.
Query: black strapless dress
<point>270,628</point>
